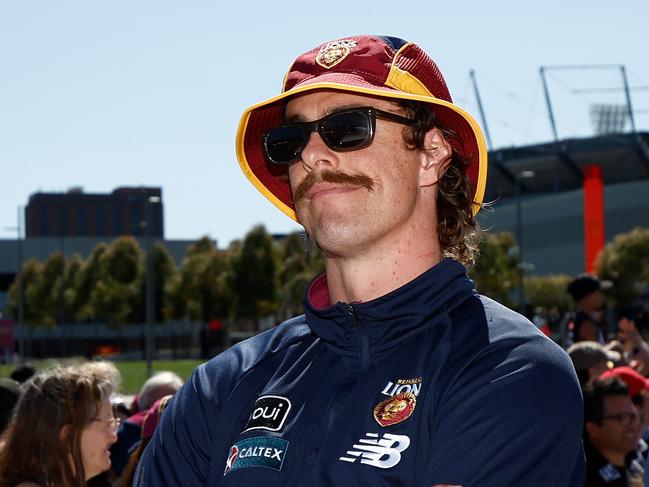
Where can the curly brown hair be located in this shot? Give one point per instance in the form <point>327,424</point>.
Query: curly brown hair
<point>36,449</point>
<point>457,229</point>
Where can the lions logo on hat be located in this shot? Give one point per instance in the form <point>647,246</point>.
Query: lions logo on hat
<point>396,409</point>
<point>334,52</point>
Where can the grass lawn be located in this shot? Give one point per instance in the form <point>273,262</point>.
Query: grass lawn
<point>133,372</point>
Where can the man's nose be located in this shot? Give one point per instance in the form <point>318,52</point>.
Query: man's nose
<point>316,154</point>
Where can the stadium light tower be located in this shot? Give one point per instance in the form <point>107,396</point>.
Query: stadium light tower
<point>608,118</point>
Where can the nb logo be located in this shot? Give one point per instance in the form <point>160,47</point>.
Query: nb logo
<point>381,453</point>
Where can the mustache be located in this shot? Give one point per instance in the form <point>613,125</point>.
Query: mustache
<point>334,177</point>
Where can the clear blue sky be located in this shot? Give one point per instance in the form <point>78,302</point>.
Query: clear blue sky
<point>128,93</point>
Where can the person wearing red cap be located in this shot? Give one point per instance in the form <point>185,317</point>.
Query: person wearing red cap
<point>612,430</point>
<point>638,390</point>
<point>398,373</point>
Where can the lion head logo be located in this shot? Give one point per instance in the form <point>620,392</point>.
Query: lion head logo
<point>396,409</point>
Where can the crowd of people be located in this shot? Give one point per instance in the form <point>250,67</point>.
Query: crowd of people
<point>68,425</point>
<point>611,368</point>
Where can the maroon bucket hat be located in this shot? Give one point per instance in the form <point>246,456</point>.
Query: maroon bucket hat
<point>369,65</point>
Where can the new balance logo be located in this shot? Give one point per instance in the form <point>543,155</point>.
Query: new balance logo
<point>381,453</point>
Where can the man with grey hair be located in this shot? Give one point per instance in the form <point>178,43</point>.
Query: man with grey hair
<point>128,435</point>
<point>157,386</point>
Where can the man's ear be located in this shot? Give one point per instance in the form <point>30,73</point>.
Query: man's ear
<point>64,432</point>
<point>592,429</point>
<point>435,155</point>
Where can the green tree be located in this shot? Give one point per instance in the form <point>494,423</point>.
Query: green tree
<point>496,271</point>
<point>163,271</point>
<point>625,261</point>
<point>41,291</point>
<point>50,289</point>
<point>164,267</point>
<point>73,267</point>
<point>85,283</point>
<point>254,276</point>
<point>549,292</point>
<point>299,264</point>
<point>116,291</point>
<point>199,289</point>
<point>201,246</point>
<point>30,278</point>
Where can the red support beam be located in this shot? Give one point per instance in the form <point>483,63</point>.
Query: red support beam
<point>593,214</point>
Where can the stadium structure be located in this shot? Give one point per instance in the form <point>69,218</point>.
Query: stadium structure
<point>565,200</point>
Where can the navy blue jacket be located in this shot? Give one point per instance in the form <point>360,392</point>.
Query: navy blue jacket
<point>429,384</point>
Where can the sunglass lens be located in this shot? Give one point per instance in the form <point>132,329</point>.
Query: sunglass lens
<point>347,131</point>
<point>284,144</point>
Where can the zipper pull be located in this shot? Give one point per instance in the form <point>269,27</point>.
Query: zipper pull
<point>364,340</point>
<point>352,313</point>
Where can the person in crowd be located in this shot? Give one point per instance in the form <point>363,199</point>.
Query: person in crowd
<point>62,429</point>
<point>612,431</point>
<point>540,319</point>
<point>128,436</point>
<point>641,319</point>
<point>399,373</point>
<point>591,359</point>
<point>149,425</point>
<point>23,373</point>
<point>588,322</point>
<point>638,390</point>
<point>634,346</point>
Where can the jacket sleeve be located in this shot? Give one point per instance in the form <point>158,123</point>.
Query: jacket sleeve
<point>178,453</point>
<point>182,448</point>
<point>513,417</point>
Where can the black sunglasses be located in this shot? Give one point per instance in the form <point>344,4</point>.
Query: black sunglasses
<point>342,131</point>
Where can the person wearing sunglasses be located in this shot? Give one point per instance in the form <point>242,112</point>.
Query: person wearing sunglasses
<point>398,373</point>
<point>612,432</point>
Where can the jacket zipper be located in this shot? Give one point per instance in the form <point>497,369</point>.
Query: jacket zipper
<point>364,339</point>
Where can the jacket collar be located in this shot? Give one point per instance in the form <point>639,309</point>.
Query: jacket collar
<point>389,319</point>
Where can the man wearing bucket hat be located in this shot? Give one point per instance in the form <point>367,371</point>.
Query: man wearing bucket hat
<point>399,373</point>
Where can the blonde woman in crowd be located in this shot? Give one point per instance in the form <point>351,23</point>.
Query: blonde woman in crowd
<point>62,429</point>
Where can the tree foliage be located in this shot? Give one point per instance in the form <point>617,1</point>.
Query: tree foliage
<point>625,262</point>
<point>87,277</point>
<point>163,270</point>
<point>117,289</point>
<point>549,292</point>
<point>254,276</point>
<point>71,275</point>
<point>299,264</point>
<point>496,271</point>
<point>199,289</point>
<point>30,279</point>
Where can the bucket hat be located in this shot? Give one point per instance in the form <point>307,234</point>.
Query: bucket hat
<point>383,66</point>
